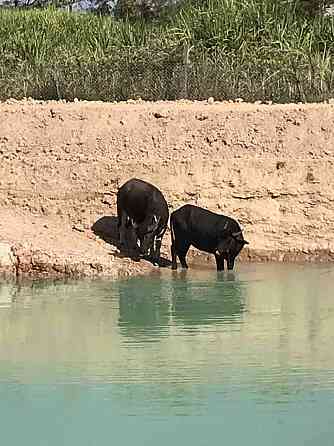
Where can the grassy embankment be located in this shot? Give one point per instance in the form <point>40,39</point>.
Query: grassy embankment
<point>254,49</point>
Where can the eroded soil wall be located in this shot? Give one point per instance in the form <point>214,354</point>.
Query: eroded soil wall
<point>269,166</point>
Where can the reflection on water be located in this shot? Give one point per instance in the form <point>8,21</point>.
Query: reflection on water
<point>147,309</point>
<point>193,306</point>
<point>143,309</point>
<point>253,348</point>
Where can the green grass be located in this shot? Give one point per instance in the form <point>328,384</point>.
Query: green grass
<point>254,49</point>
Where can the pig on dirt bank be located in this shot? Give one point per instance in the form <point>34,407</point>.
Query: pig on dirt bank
<point>206,231</point>
<point>142,207</point>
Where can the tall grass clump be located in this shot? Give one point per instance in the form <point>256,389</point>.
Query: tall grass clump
<point>255,49</point>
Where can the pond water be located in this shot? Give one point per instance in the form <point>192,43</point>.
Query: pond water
<point>193,358</point>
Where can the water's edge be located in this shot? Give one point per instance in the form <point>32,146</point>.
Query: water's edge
<point>26,262</point>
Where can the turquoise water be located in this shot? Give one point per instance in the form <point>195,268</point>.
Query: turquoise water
<point>193,358</point>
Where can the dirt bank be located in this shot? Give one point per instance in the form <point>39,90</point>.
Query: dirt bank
<point>270,166</point>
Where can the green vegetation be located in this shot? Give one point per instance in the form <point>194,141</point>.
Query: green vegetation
<point>254,49</point>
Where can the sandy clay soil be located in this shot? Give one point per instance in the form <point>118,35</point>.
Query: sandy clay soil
<point>269,166</point>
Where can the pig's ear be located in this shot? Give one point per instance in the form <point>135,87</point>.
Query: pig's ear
<point>238,236</point>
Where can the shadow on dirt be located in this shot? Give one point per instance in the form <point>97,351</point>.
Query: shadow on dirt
<point>106,228</point>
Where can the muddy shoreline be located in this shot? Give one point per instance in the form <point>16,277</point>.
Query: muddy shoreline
<point>269,166</point>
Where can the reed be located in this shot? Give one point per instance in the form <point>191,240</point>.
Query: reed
<point>254,49</point>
